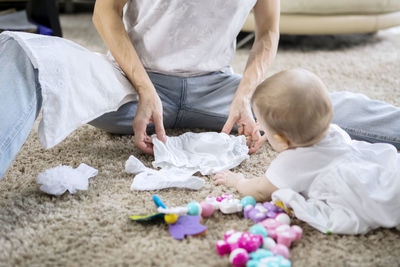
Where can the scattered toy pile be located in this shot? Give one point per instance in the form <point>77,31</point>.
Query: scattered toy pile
<point>266,243</point>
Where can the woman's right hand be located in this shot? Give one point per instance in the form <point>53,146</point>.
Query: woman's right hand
<point>149,111</point>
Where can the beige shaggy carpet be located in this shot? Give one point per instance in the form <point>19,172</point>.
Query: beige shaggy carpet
<point>92,228</point>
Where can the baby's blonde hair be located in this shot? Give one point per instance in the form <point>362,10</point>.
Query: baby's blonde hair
<point>295,104</point>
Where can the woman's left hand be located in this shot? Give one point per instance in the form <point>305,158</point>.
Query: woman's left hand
<point>240,114</point>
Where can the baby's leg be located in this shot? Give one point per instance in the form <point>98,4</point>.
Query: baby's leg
<point>365,119</point>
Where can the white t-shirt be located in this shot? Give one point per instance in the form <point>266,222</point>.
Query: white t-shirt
<point>185,38</point>
<point>338,157</point>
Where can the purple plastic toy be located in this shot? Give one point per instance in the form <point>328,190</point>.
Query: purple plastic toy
<point>261,212</point>
<point>186,225</point>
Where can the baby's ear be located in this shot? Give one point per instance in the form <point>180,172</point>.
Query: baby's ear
<point>282,142</point>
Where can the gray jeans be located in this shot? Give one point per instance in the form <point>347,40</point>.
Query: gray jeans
<point>203,102</point>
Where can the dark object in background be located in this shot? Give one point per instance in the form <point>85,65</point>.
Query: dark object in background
<point>70,5</point>
<point>16,4</point>
<point>45,12</point>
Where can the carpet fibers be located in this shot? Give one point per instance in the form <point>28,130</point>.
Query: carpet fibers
<point>92,227</point>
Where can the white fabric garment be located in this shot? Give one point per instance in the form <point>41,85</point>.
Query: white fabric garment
<point>149,179</point>
<point>77,85</point>
<point>207,152</point>
<point>56,181</point>
<point>185,38</point>
<point>340,185</point>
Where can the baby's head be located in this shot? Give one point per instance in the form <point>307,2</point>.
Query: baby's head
<point>293,108</point>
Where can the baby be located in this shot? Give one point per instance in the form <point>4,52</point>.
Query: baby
<point>294,110</point>
<point>335,184</point>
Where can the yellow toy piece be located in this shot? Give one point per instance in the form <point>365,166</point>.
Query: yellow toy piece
<point>282,206</point>
<point>170,218</point>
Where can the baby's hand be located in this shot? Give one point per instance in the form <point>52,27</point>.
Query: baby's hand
<point>227,178</point>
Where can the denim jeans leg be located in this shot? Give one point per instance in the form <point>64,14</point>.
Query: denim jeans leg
<point>207,100</point>
<point>365,119</point>
<point>120,121</point>
<point>20,101</point>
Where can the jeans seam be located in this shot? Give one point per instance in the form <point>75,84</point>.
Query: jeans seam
<point>179,114</point>
<point>362,133</point>
<point>6,144</point>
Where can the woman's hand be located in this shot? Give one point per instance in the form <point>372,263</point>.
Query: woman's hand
<point>149,110</point>
<point>240,113</point>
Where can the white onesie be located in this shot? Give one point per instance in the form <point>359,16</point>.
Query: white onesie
<point>340,185</point>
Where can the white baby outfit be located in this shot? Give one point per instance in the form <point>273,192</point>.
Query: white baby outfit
<point>340,185</point>
<point>182,156</point>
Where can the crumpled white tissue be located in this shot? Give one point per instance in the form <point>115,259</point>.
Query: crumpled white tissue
<point>149,179</point>
<point>207,152</point>
<point>56,181</point>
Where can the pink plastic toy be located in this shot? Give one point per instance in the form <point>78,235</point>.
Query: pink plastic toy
<point>280,249</point>
<point>283,234</point>
<point>207,209</point>
<point>224,196</point>
<point>250,242</point>
<point>234,240</point>
<point>239,257</point>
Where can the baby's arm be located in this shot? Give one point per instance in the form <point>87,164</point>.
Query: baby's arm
<point>260,187</point>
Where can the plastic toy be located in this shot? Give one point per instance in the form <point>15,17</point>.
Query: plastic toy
<point>158,203</point>
<point>280,236</point>
<point>283,233</point>
<point>239,245</point>
<point>282,206</point>
<point>248,200</point>
<point>225,203</point>
<point>180,225</point>
<point>261,211</point>
<point>187,225</point>
<point>258,229</point>
<point>233,240</point>
<point>207,209</point>
<point>263,257</point>
<point>266,244</point>
<point>239,257</point>
<point>171,218</point>
<point>250,242</point>
<point>194,208</point>
<point>282,217</point>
